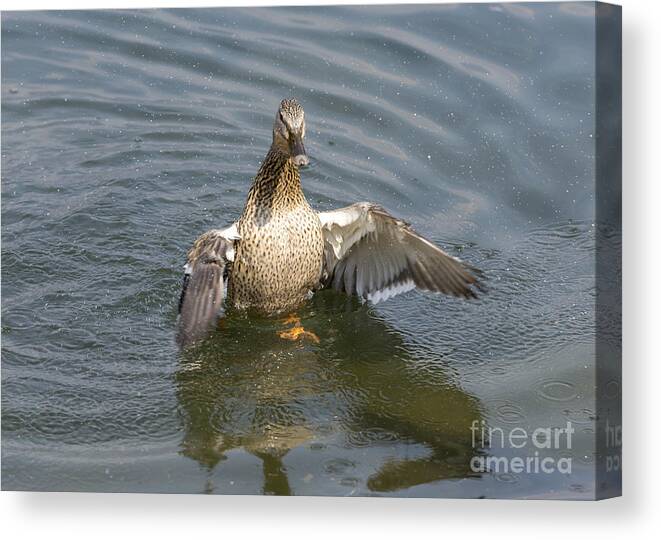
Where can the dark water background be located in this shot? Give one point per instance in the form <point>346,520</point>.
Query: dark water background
<point>125,134</point>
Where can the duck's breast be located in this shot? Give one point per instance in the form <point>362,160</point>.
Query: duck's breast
<point>278,260</point>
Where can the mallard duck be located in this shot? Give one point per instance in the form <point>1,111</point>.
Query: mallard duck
<point>281,250</point>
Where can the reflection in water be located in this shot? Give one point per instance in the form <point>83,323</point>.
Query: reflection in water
<point>246,388</point>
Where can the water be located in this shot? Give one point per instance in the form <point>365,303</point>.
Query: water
<point>125,134</point>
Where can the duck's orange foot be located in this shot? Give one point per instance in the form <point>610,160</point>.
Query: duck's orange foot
<point>292,319</point>
<point>297,332</point>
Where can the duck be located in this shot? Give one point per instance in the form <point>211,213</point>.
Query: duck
<point>281,251</point>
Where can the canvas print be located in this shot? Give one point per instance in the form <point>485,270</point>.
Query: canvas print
<point>336,251</point>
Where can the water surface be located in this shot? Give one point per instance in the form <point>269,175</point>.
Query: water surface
<point>125,134</point>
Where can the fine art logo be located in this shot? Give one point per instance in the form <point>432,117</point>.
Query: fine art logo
<point>613,446</point>
<point>541,442</point>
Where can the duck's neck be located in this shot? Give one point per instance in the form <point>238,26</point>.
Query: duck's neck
<point>277,185</point>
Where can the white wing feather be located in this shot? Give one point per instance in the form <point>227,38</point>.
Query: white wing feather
<point>376,256</point>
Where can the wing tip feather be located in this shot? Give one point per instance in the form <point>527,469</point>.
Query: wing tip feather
<point>200,303</point>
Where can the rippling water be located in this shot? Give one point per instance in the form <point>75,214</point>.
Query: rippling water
<point>125,134</point>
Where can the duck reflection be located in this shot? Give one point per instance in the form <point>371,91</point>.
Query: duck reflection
<point>246,388</point>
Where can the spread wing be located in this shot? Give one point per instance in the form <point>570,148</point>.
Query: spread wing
<point>203,288</point>
<point>371,254</point>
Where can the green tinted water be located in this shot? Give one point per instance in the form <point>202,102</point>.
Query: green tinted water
<point>127,134</point>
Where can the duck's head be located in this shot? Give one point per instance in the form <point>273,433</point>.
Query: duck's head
<point>289,131</point>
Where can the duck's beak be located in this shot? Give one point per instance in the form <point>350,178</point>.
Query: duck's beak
<point>298,154</point>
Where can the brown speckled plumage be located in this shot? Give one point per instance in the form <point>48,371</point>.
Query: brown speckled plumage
<point>280,249</point>
<point>278,260</point>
